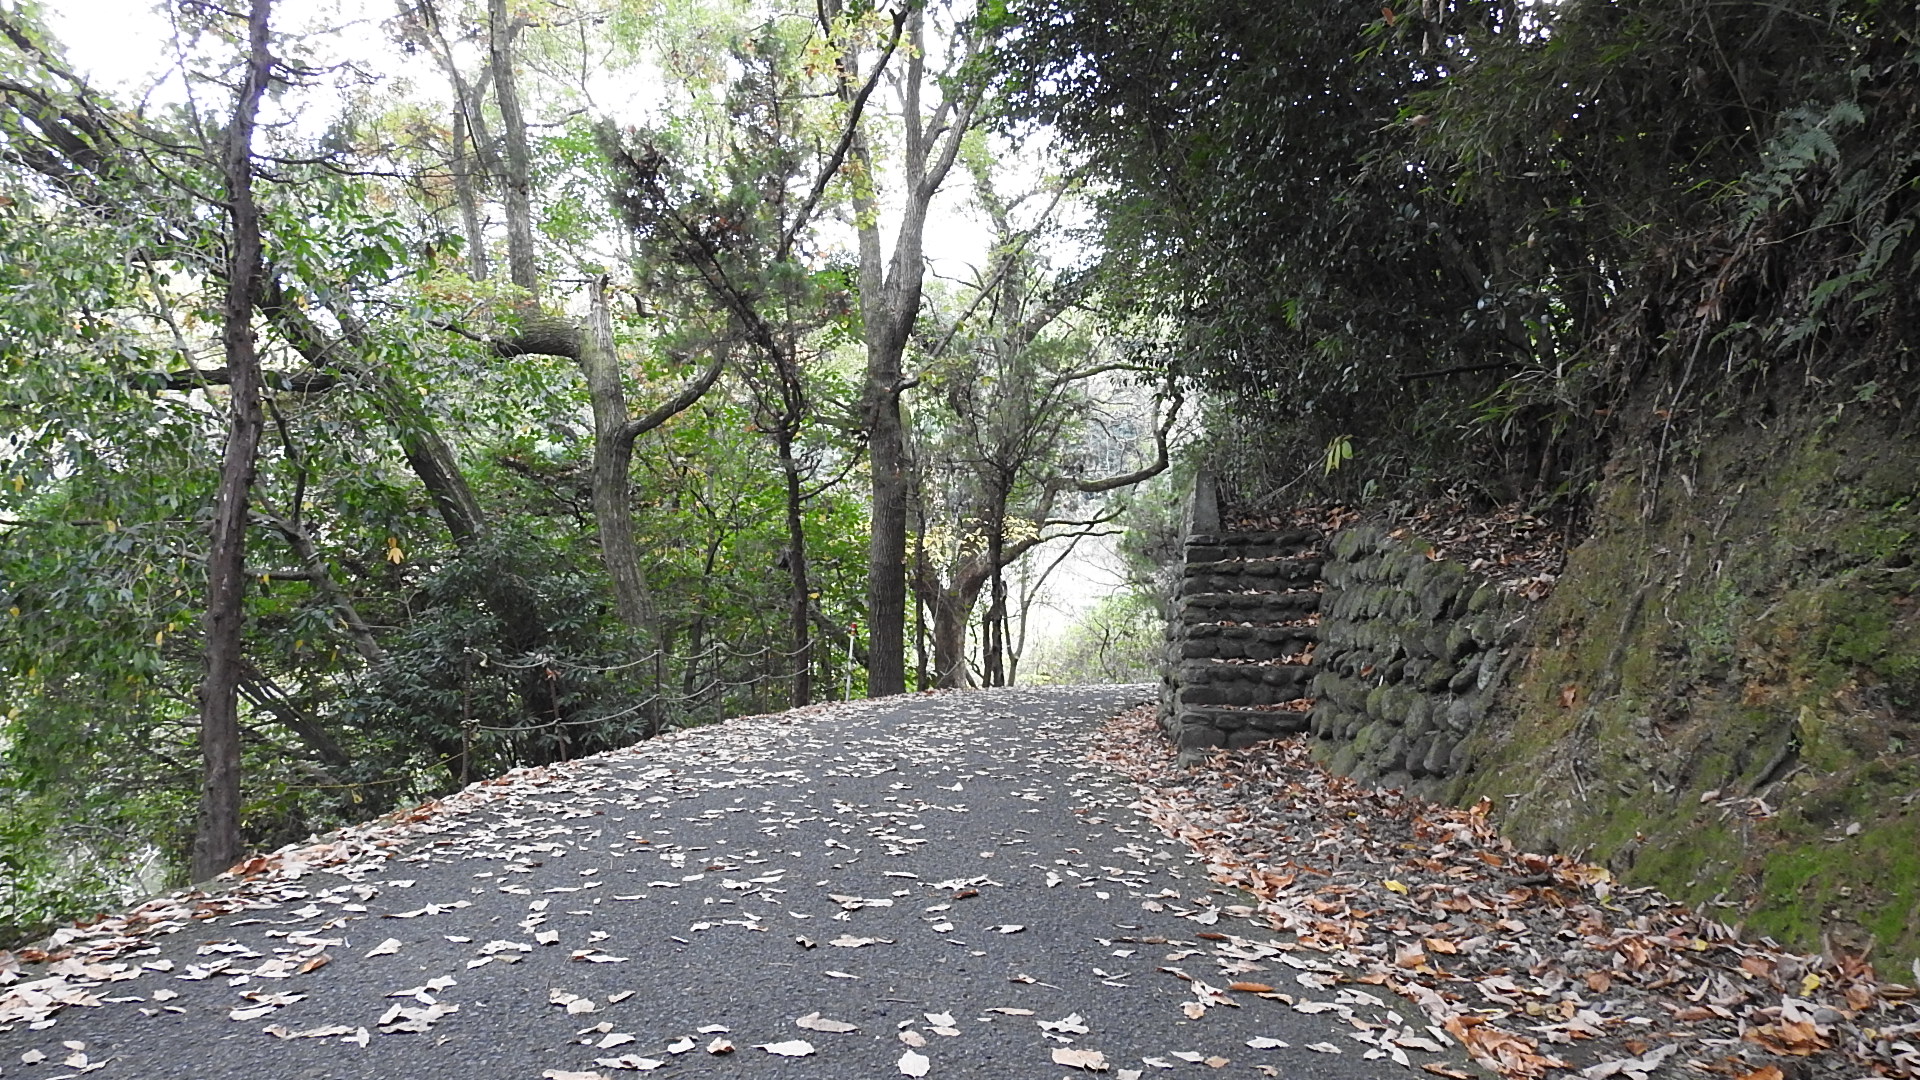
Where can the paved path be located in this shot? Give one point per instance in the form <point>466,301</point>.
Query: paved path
<point>943,873</point>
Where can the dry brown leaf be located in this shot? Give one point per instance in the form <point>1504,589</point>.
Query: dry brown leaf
<point>1090,1060</point>
<point>813,1021</point>
<point>1798,1038</point>
<point>1251,987</point>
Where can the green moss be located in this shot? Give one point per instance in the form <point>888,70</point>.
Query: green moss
<point>1755,633</point>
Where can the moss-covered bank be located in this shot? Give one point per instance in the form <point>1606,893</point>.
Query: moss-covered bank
<point>1722,697</point>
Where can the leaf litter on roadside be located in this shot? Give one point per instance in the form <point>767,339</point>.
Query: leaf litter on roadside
<point>1525,960</point>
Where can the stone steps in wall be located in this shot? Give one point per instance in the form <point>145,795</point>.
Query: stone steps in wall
<point>1229,641</point>
<point>1288,678</point>
<point>1248,607</point>
<point>1253,575</point>
<point>1243,639</point>
<point>1207,547</point>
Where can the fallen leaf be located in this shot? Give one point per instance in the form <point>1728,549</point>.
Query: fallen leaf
<point>790,1048</point>
<point>912,1037</point>
<point>719,1045</point>
<point>681,1045</point>
<point>385,948</point>
<point>1395,886</point>
<point>912,1064</point>
<point>1251,987</point>
<point>1090,1060</point>
<point>813,1021</point>
<point>1265,1042</point>
<point>566,1074</point>
<point>1072,1024</point>
<point>630,1061</point>
<point>1007,928</point>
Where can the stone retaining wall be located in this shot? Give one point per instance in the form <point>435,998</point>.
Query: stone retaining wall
<point>1412,651</point>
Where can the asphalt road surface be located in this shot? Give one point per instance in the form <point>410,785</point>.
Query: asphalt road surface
<point>938,882</point>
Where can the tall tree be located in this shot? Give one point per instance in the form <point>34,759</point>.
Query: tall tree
<point>216,843</point>
<point>741,246</point>
<point>938,106</point>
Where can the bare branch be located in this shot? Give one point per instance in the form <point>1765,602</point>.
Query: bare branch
<point>1158,466</point>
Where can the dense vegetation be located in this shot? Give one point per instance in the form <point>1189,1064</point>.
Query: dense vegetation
<point>384,411</point>
<point>1487,241</point>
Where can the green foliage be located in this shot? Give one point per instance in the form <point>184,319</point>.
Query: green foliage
<point>1483,236</point>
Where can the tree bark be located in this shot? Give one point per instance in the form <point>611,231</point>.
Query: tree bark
<point>612,463</point>
<point>517,179</point>
<point>800,586</point>
<point>614,431</point>
<point>995,625</point>
<point>952,607</point>
<point>464,193</point>
<point>216,842</point>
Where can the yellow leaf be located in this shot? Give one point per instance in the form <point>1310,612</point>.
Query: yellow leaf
<point>1395,886</point>
<point>1809,984</point>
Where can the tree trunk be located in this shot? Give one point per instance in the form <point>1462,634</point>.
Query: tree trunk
<point>952,609</point>
<point>922,584</point>
<point>887,544</point>
<point>216,842</point>
<point>464,193</point>
<point>995,626</point>
<point>517,181</point>
<point>890,303</point>
<point>799,600</point>
<point>612,462</point>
